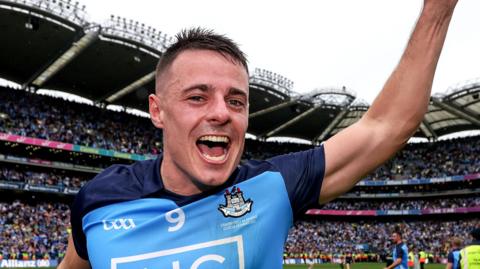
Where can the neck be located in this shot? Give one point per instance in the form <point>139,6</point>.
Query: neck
<point>175,180</point>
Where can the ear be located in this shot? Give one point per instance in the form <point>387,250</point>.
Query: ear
<point>156,110</point>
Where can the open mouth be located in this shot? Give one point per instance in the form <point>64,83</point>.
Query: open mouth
<point>213,147</point>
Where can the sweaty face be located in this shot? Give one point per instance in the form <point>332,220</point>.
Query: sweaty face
<point>202,107</point>
<point>395,238</point>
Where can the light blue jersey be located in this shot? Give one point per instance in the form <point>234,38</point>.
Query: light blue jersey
<point>124,218</point>
<point>454,258</point>
<point>401,251</point>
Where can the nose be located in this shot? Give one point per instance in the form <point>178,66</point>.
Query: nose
<point>218,112</point>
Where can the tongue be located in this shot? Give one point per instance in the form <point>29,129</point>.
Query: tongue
<point>211,151</point>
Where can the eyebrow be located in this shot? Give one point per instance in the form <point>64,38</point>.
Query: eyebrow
<point>201,87</point>
<point>235,91</point>
<point>206,87</point>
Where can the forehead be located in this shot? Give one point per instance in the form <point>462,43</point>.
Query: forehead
<point>210,66</point>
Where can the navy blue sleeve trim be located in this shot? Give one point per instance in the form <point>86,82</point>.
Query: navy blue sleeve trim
<point>399,251</point>
<point>78,236</point>
<point>450,257</point>
<point>303,174</point>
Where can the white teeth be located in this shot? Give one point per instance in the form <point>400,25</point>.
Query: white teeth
<point>214,138</point>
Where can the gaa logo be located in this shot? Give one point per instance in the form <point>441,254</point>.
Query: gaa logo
<point>217,254</point>
<point>118,224</point>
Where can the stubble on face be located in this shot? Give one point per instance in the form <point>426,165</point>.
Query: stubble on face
<point>199,106</point>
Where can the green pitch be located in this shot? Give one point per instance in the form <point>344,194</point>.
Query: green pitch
<point>336,266</point>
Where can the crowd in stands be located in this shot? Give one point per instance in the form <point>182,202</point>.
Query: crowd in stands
<point>30,232</point>
<point>42,178</point>
<point>40,231</point>
<point>61,179</point>
<point>403,204</point>
<point>337,237</point>
<point>54,119</point>
<point>27,114</point>
<point>429,160</point>
<point>418,188</point>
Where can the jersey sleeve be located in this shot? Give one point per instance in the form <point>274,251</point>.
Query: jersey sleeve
<point>450,257</point>
<point>115,184</point>
<point>400,251</point>
<point>78,236</point>
<point>303,174</point>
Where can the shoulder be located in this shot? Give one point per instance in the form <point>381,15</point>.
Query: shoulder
<point>119,183</point>
<point>450,256</point>
<point>401,248</point>
<point>253,168</point>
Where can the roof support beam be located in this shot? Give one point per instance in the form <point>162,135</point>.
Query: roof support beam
<point>272,108</point>
<point>340,116</point>
<point>292,121</point>
<point>457,111</point>
<point>130,88</point>
<point>64,59</point>
<point>428,130</point>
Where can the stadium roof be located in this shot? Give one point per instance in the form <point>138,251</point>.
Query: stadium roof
<point>49,44</point>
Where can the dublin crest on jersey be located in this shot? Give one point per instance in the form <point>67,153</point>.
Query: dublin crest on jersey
<point>235,206</point>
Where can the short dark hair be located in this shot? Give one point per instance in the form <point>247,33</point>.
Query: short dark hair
<point>397,230</point>
<point>201,39</point>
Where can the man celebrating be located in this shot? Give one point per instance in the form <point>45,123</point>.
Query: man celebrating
<point>454,255</point>
<point>194,206</point>
<point>400,252</point>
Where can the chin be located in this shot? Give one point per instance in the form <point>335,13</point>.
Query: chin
<point>211,181</point>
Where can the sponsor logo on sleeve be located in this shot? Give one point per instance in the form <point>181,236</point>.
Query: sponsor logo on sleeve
<point>118,224</point>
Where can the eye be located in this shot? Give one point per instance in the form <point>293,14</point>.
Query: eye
<point>236,103</point>
<point>196,98</point>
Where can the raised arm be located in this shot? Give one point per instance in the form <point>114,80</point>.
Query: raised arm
<point>397,111</point>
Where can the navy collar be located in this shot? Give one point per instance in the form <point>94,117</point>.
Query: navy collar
<point>153,182</point>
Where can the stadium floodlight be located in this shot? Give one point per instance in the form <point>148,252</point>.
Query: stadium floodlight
<point>272,80</point>
<point>464,85</point>
<point>136,31</point>
<point>65,9</point>
<point>331,96</point>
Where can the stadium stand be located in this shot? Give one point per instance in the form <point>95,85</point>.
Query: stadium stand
<point>34,115</point>
<point>404,204</point>
<point>412,171</point>
<point>44,117</point>
<point>31,232</point>
<point>49,147</point>
<point>327,238</point>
